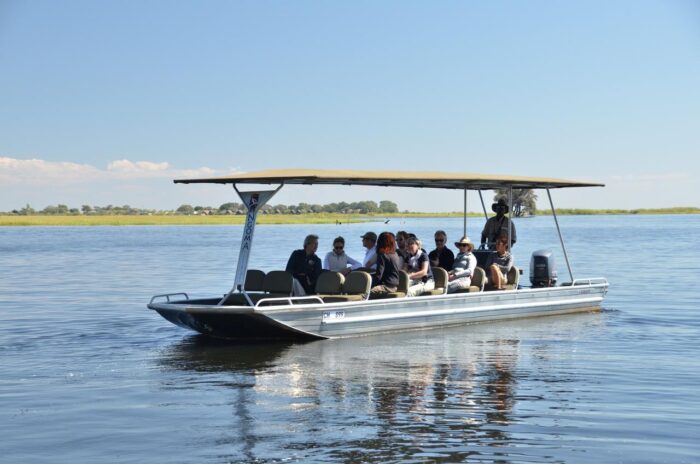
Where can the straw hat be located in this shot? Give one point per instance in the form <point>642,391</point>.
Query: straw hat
<point>465,241</point>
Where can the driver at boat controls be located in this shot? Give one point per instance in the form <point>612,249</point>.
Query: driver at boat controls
<point>418,268</point>
<point>305,267</point>
<point>497,225</point>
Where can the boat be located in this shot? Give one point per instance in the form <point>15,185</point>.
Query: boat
<point>250,311</point>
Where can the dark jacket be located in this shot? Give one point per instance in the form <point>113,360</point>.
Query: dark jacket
<point>388,267</point>
<point>305,269</point>
<point>444,260</point>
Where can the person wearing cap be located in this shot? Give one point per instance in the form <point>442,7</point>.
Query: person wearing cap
<point>497,225</point>
<point>460,277</point>
<point>305,267</point>
<point>441,256</point>
<point>418,268</point>
<point>369,240</point>
<point>338,261</point>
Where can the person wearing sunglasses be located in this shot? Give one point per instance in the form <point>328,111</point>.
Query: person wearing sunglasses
<point>337,260</point>
<point>460,277</point>
<point>441,256</point>
<point>418,268</point>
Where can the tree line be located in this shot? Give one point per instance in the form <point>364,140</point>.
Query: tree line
<point>358,207</point>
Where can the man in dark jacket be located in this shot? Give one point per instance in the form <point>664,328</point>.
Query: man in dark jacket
<point>305,266</point>
<point>441,256</point>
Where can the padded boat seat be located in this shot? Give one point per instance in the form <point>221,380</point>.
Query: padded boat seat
<point>512,280</point>
<point>478,282</point>
<point>254,281</point>
<point>276,284</point>
<point>355,288</point>
<point>329,284</point>
<point>401,290</point>
<point>440,277</point>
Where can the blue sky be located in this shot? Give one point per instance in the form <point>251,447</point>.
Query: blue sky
<point>106,102</point>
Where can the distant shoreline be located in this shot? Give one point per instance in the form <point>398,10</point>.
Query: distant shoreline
<point>281,219</point>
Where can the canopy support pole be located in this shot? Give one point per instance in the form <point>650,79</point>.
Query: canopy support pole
<point>510,218</point>
<point>483,206</point>
<point>465,213</point>
<point>252,201</point>
<point>561,240</point>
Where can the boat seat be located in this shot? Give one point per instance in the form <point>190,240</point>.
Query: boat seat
<point>401,290</point>
<point>254,280</point>
<point>478,282</point>
<point>278,282</point>
<point>329,284</point>
<point>355,288</point>
<point>440,277</point>
<point>512,280</point>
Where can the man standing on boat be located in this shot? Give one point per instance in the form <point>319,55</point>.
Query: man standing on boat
<point>497,225</point>
<point>305,267</point>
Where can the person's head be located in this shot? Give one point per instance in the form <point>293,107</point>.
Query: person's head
<point>386,243</point>
<point>500,207</point>
<point>502,244</point>
<point>311,244</point>
<point>369,239</point>
<point>440,239</point>
<point>413,244</point>
<point>338,245</point>
<point>465,245</point>
<point>401,237</point>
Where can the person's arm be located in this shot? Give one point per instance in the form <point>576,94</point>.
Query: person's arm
<point>291,263</point>
<point>354,264</point>
<point>371,261</point>
<point>326,264</point>
<point>513,235</point>
<point>381,265</point>
<point>449,259</point>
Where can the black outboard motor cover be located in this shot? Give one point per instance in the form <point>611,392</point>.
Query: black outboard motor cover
<point>543,271</point>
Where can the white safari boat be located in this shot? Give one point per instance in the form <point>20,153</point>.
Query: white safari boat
<point>261,306</point>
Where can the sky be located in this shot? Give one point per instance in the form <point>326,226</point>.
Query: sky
<point>107,102</point>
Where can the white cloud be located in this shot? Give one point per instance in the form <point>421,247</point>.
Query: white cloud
<point>41,172</point>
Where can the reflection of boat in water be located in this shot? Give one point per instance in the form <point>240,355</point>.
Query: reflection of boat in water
<point>458,390</point>
<point>275,314</point>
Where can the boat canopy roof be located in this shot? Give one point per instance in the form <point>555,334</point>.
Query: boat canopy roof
<point>420,179</point>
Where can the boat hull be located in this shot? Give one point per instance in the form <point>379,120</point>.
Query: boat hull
<point>338,320</point>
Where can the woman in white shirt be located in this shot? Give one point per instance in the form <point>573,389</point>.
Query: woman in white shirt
<point>337,261</point>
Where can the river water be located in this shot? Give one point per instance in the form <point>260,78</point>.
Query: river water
<point>89,374</point>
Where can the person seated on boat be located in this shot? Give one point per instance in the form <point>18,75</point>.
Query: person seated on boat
<point>460,277</point>
<point>418,268</point>
<point>305,267</point>
<point>497,225</point>
<point>499,263</point>
<point>338,261</point>
<point>401,250</point>
<point>441,256</point>
<point>369,241</point>
<point>386,278</point>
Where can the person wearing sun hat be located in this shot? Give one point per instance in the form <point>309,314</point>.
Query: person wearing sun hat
<point>497,225</point>
<point>460,277</point>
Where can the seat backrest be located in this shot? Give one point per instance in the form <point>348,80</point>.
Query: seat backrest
<point>513,276</point>
<point>479,278</point>
<point>254,280</point>
<point>440,277</point>
<point>330,283</point>
<point>278,282</point>
<point>357,283</point>
<point>403,282</point>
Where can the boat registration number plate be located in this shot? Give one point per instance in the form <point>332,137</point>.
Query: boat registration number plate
<point>332,315</point>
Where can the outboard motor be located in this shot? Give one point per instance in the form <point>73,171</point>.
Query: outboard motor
<point>543,272</point>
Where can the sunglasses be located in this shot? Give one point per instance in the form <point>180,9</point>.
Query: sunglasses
<point>462,245</point>
<point>439,240</point>
<point>338,247</point>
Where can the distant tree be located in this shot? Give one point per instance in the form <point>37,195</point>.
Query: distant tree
<point>185,209</point>
<point>86,209</point>
<point>27,210</point>
<point>386,206</point>
<point>524,201</point>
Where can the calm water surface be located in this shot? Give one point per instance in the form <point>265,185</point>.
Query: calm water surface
<point>88,374</point>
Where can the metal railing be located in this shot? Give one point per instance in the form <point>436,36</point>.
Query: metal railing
<point>168,295</point>
<point>289,299</point>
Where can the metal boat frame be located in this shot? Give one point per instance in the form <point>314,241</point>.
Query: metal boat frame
<point>309,317</point>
